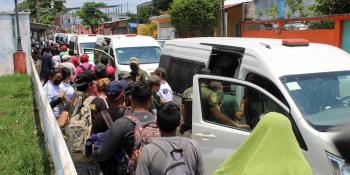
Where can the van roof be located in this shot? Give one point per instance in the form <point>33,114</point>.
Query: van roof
<point>282,60</point>
<point>133,41</point>
<point>87,38</point>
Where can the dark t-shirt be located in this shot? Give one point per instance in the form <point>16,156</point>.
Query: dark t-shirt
<point>121,134</point>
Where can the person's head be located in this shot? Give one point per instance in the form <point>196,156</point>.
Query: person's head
<point>64,48</point>
<point>65,58</point>
<point>168,117</point>
<point>84,58</point>
<point>104,59</point>
<point>83,81</point>
<point>110,72</point>
<point>102,85</point>
<point>134,64</point>
<point>115,91</point>
<point>216,86</point>
<point>154,83</point>
<point>47,50</point>
<point>161,72</point>
<point>124,75</point>
<point>71,52</point>
<point>75,61</point>
<point>204,71</point>
<point>100,71</point>
<point>66,74</point>
<point>55,76</point>
<point>141,95</point>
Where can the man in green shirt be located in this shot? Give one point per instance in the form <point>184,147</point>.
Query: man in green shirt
<point>137,74</point>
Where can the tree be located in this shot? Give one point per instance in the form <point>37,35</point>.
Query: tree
<point>272,12</point>
<point>144,13</point>
<point>49,10</point>
<point>91,16</point>
<point>162,5</point>
<point>132,17</point>
<point>295,6</point>
<point>328,7</point>
<point>195,17</point>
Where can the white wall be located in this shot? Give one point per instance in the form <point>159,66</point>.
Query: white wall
<point>8,39</point>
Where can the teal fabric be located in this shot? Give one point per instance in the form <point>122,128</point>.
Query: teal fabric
<point>271,149</point>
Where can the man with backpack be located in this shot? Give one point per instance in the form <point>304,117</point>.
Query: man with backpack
<point>85,65</point>
<point>123,137</point>
<point>170,155</point>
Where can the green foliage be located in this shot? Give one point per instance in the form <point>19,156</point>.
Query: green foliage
<point>272,12</point>
<point>328,7</point>
<point>48,13</point>
<point>314,25</point>
<point>91,16</point>
<point>162,5</point>
<point>295,6</point>
<point>144,13</point>
<point>149,29</point>
<point>132,17</point>
<point>195,17</point>
<point>21,151</point>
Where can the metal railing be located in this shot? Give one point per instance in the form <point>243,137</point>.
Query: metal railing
<point>53,136</point>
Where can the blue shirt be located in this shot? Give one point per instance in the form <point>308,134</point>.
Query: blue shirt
<point>69,90</point>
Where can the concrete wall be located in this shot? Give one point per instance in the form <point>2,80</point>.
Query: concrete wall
<point>8,36</point>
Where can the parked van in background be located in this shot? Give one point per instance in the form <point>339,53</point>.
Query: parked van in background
<point>123,47</point>
<point>307,82</point>
<point>79,42</point>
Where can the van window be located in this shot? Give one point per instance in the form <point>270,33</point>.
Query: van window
<point>267,85</point>
<point>224,63</point>
<point>234,105</point>
<point>146,55</point>
<point>322,98</point>
<point>180,73</point>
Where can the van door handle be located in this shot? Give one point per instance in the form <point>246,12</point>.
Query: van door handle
<point>205,136</point>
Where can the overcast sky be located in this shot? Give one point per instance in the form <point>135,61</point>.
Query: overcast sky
<point>8,5</point>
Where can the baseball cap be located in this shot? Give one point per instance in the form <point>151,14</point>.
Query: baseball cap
<point>115,88</point>
<point>83,78</point>
<point>134,60</point>
<point>110,70</point>
<point>100,71</point>
<point>124,75</point>
<point>84,57</point>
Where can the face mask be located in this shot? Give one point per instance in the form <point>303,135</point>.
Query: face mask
<point>56,82</point>
<point>133,67</point>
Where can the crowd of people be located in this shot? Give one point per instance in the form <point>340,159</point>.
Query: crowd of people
<point>127,124</point>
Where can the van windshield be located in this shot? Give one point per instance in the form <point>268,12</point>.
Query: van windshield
<point>87,45</point>
<point>146,55</point>
<point>323,98</point>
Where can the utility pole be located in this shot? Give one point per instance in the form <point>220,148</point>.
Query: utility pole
<point>37,11</point>
<point>19,57</point>
<point>19,42</point>
<point>223,18</point>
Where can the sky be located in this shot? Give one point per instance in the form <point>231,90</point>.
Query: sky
<point>9,5</point>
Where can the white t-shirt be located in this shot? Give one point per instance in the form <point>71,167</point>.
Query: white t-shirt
<point>165,92</point>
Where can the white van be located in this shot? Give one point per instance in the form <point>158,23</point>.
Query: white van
<point>123,47</point>
<point>80,42</point>
<point>309,83</point>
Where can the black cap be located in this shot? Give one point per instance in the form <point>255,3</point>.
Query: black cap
<point>83,78</point>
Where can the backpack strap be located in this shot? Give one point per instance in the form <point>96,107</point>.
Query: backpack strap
<point>82,67</point>
<point>107,118</point>
<point>88,100</point>
<point>90,66</point>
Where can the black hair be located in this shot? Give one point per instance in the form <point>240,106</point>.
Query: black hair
<point>168,117</point>
<point>65,73</point>
<point>141,93</point>
<point>204,71</point>
<point>53,72</point>
<point>161,72</point>
<point>46,49</point>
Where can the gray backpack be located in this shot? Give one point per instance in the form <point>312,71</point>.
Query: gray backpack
<point>79,126</point>
<point>176,161</point>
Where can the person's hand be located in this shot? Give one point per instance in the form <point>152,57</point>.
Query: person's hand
<point>61,94</point>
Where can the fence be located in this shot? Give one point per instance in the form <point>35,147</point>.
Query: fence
<point>53,136</point>
<point>296,28</point>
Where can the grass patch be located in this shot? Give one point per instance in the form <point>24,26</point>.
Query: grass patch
<point>21,148</point>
